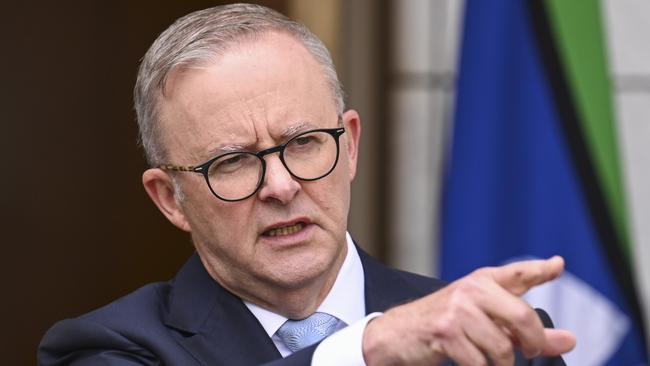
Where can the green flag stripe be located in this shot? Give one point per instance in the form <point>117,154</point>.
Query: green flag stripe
<point>577,28</point>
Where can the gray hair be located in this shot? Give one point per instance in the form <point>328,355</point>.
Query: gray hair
<point>201,36</point>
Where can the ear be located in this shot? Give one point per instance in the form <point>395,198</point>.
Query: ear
<point>352,124</point>
<point>160,189</point>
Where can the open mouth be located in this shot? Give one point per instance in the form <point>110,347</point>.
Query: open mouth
<point>285,230</point>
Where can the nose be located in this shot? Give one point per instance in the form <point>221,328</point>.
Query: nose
<point>278,183</point>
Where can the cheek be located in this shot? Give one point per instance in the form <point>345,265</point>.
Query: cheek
<point>213,221</point>
<point>333,195</point>
<point>341,179</point>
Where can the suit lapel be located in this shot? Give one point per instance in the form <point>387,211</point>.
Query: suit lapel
<point>216,327</point>
<point>386,287</point>
<point>212,324</point>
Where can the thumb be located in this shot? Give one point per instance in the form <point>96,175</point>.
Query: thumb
<point>558,341</point>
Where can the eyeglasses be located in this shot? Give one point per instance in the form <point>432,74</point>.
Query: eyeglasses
<point>235,176</point>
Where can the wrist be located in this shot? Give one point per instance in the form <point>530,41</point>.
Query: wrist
<point>374,346</point>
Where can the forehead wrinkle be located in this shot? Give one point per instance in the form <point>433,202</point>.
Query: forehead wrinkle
<point>233,135</point>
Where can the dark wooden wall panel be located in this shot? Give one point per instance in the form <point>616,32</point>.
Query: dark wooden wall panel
<point>77,228</point>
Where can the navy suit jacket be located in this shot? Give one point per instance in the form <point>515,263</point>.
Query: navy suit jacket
<point>192,320</point>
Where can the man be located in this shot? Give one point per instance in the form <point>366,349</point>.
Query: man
<point>242,118</point>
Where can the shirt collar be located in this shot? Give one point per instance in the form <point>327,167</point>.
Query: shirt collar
<point>346,299</point>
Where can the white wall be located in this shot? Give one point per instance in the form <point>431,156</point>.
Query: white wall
<point>424,43</point>
<point>628,33</point>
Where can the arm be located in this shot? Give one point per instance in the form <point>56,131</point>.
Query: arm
<point>480,315</point>
<point>476,318</point>
<point>79,342</point>
<point>336,349</point>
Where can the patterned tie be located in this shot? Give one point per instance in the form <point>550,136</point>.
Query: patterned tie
<point>298,334</point>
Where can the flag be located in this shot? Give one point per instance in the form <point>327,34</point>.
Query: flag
<point>532,169</point>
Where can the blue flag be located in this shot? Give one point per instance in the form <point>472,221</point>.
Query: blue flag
<point>517,182</point>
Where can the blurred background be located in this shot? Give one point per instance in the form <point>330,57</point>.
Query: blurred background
<point>79,230</point>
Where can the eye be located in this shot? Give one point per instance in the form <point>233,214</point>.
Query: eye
<point>304,140</point>
<point>232,163</point>
<point>308,143</point>
<point>232,160</point>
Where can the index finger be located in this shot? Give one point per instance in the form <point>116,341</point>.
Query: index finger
<point>519,277</point>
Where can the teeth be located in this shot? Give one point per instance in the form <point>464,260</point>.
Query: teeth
<point>285,230</point>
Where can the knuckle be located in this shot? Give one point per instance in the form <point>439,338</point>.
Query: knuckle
<point>468,286</point>
<point>526,317</point>
<point>458,307</point>
<point>445,328</point>
<point>482,272</point>
<point>533,276</point>
<point>518,273</point>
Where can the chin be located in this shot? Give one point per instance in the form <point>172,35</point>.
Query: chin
<point>302,274</point>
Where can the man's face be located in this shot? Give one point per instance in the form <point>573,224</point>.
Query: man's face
<point>257,95</point>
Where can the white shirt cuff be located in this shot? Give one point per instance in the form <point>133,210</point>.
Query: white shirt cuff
<point>345,347</point>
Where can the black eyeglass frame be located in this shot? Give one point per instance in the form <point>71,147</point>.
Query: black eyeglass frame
<point>204,168</point>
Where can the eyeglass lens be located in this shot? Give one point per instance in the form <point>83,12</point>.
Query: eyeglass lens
<point>308,156</point>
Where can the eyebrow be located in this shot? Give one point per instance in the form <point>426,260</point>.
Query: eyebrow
<point>294,129</point>
<point>223,149</point>
<point>286,134</point>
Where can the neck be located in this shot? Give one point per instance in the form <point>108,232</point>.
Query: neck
<point>294,301</point>
<point>297,303</point>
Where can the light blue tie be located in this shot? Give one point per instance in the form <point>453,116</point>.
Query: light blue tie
<point>298,334</point>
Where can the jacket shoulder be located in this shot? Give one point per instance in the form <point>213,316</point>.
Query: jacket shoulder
<point>144,305</point>
<point>120,332</point>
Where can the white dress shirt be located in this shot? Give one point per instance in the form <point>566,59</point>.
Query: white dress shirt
<point>346,301</point>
